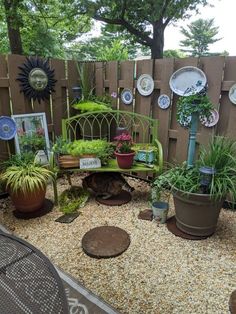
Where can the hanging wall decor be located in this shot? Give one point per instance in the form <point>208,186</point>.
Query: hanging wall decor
<point>36,79</point>
<point>163,101</point>
<point>232,94</point>
<point>127,96</point>
<point>7,128</point>
<point>145,84</point>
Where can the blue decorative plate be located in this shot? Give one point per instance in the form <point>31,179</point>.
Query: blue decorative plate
<point>164,101</point>
<point>126,96</point>
<point>7,128</point>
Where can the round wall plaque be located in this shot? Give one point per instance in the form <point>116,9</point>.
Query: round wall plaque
<point>145,84</point>
<point>163,101</point>
<point>36,79</point>
<point>127,96</point>
<point>7,128</point>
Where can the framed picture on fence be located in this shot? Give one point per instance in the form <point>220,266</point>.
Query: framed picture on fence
<point>32,134</point>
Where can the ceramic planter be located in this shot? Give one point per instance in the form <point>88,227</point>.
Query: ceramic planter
<point>146,156</point>
<point>196,214</point>
<point>29,202</point>
<point>125,161</point>
<point>160,211</point>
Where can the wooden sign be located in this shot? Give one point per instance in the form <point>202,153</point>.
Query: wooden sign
<point>88,163</point>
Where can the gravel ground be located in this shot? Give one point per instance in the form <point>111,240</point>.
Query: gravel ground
<point>159,273</point>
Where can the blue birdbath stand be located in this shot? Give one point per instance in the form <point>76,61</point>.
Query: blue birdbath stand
<point>192,140</point>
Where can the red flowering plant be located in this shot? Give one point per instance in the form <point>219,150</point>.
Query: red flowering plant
<point>124,143</point>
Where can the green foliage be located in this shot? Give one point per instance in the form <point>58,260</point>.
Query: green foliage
<point>25,178</point>
<point>19,160</point>
<point>33,142</point>
<point>115,51</point>
<point>174,53</point>
<point>199,35</point>
<point>72,199</point>
<point>100,148</point>
<point>60,146</point>
<point>144,20</point>
<point>220,154</point>
<point>87,105</point>
<point>188,105</point>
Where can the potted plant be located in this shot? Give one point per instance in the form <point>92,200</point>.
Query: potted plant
<point>63,158</point>
<point>124,152</point>
<point>145,153</point>
<point>200,191</point>
<point>96,148</point>
<point>26,182</point>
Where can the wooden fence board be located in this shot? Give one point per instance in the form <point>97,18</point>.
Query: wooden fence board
<point>112,77</point>
<point>126,81</point>
<point>73,81</point>
<point>227,125</point>
<point>20,104</point>
<point>99,78</point>
<point>163,70</point>
<point>213,68</point>
<point>5,109</point>
<point>59,99</point>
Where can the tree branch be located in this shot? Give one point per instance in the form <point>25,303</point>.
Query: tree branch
<point>141,37</point>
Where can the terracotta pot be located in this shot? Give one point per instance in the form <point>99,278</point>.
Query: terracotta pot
<point>125,161</point>
<point>196,214</point>
<point>29,202</point>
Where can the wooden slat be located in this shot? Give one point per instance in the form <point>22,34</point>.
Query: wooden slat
<point>112,77</point>
<point>183,134</point>
<point>20,104</point>
<point>73,81</point>
<point>143,103</point>
<point>213,68</point>
<point>59,102</point>
<point>99,78</point>
<point>4,103</point>
<point>162,72</point>
<point>4,82</point>
<point>226,125</point>
<point>127,79</point>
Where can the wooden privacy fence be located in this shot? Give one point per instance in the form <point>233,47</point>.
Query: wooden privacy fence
<point>113,77</point>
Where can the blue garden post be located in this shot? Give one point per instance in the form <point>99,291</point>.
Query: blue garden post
<point>192,140</point>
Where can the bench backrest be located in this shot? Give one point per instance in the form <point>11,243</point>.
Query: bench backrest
<point>104,124</point>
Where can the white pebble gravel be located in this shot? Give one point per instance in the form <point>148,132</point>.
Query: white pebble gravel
<point>159,273</point>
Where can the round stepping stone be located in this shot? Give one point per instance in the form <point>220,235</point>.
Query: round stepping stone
<point>171,226</point>
<point>47,207</point>
<point>105,241</point>
<point>123,198</point>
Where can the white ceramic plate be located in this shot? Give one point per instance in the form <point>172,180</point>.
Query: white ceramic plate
<point>232,94</point>
<point>127,96</point>
<point>214,118</point>
<point>187,81</point>
<point>163,101</point>
<point>145,84</point>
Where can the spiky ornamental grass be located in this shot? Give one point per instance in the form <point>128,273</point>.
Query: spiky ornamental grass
<point>220,154</point>
<point>26,178</point>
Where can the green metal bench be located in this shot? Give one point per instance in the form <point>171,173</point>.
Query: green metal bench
<point>104,124</point>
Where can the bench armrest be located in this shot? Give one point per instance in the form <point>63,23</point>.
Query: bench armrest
<point>160,155</point>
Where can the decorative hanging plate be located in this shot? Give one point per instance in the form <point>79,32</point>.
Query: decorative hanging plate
<point>185,123</point>
<point>127,96</point>
<point>214,118</point>
<point>145,84</point>
<point>163,101</point>
<point>232,94</point>
<point>7,128</point>
<point>187,81</point>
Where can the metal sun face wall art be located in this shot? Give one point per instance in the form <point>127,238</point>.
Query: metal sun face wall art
<point>36,79</point>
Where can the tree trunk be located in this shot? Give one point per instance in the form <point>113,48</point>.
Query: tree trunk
<point>158,40</point>
<point>13,26</point>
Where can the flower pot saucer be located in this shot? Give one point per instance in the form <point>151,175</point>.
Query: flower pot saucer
<point>123,198</point>
<point>47,207</point>
<point>171,226</point>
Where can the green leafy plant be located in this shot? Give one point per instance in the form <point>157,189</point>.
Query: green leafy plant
<point>220,154</point>
<point>100,148</point>
<point>18,160</point>
<point>188,105</point>
<point>26,177</point>
<point>60,146</point>
<point>89,105</point>
<point>72,199</point>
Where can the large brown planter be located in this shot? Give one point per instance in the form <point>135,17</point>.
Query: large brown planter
<point>196,214</point>
<point>29,202</point>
